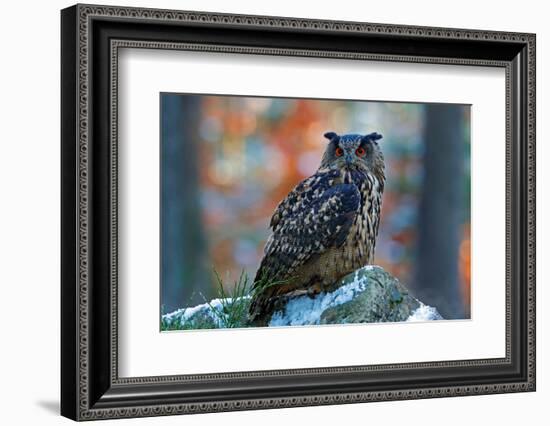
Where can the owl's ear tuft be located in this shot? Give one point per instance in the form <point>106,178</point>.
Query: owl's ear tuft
<point>372,137</point>
<point>331,136</point>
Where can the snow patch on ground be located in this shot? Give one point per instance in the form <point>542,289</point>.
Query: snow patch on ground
<point>424,313</point>
<point>304,310</point>
<point>212,309</point>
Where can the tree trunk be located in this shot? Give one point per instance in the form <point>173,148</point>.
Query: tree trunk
<point>437,280</point>
<point>184,273</point>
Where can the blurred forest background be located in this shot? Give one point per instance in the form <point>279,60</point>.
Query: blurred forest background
<point>227,161</point>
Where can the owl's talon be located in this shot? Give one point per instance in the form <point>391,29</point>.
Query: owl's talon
<point>297,293</point>
<point>314,290</point>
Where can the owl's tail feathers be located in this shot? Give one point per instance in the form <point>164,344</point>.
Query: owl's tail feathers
<point>265,295</point>
<point>258,310</point>
<point>261,296</point>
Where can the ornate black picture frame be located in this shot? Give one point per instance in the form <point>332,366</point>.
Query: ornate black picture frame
<point>90,38</point>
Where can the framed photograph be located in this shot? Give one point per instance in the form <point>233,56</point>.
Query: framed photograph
<point>263,212</point>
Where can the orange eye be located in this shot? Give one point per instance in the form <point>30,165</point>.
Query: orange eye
<point>339,152</point>
<point>360,152</point>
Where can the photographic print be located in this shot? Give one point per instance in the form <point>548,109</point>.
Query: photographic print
<point>299,212</point>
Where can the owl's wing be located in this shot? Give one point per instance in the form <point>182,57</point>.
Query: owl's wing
<point>315,216</point>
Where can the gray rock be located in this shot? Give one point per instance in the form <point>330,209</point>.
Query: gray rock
<point>383,299</point>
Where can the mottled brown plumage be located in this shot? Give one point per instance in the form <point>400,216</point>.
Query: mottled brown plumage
<point>327,225</point>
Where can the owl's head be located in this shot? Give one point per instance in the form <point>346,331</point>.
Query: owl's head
<point>354,151</point>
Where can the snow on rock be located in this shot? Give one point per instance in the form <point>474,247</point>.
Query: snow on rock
<point>207,309</point>
<point>424,313</point>
<point>368,295</point>
<point>211,314</point>
<point>305,310</point>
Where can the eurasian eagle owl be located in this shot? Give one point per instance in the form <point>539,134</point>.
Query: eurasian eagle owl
<point>327,225</point>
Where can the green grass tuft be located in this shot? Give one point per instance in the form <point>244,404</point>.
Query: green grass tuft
<point>235,303</point>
